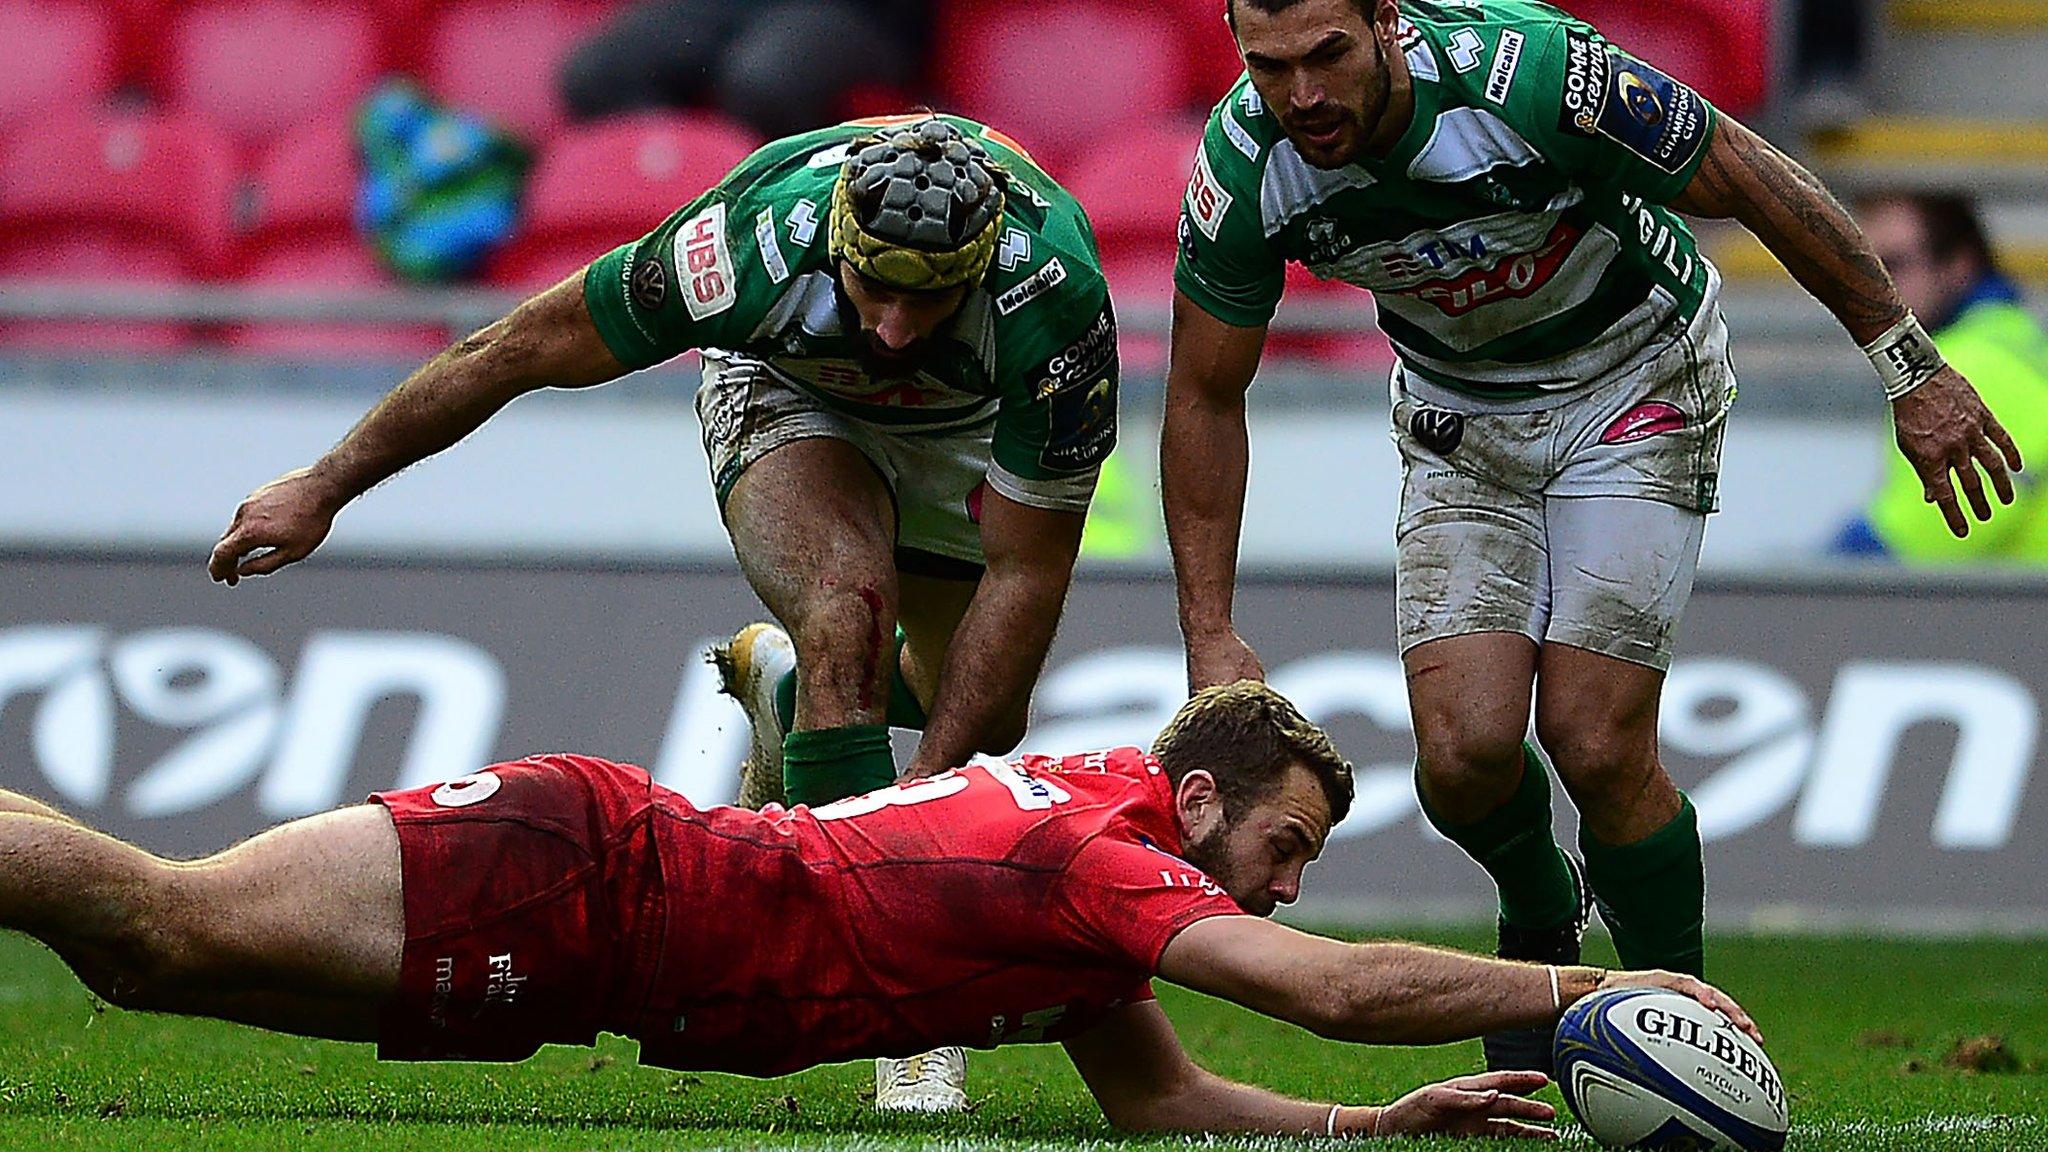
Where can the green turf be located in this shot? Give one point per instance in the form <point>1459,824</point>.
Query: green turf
<point>1860,1030</point>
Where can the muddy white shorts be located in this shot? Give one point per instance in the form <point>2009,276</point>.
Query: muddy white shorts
<point>936,476</point>
<point>1574,518</point>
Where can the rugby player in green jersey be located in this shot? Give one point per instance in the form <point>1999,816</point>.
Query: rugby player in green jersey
<point>910,380</point>
<point>1509,185</point>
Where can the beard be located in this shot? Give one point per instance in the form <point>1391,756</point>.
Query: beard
<point>1211,853</point>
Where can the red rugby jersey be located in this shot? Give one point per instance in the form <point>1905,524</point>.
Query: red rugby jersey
<point>988,905</point>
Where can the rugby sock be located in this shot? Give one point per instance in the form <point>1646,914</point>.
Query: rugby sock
<point>1653,895</point>
<point>1518,849</point>
<point>903,709</point>
<point>826,764</point>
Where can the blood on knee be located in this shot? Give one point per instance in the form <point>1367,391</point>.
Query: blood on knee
<point>844,641</point>
<point>874,677</point>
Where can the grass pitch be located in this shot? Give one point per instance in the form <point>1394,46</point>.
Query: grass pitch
<point>1883,1044</point>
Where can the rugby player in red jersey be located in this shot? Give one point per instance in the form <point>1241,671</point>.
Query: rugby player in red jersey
<point>546,900</point>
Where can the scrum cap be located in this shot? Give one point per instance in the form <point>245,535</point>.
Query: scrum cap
<point>918,207</point>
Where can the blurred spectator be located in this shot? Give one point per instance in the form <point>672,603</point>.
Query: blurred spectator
<point>781,67</point>
<point>1937,252</point>
<point>1833,45</point>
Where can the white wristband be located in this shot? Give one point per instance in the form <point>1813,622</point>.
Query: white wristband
<point>1330,1126</point>
<point>1556,993</point>
<point>1905,357</point>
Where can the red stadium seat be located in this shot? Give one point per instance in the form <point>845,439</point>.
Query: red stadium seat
<point>57,57</point>
<point>114,200</point>
<point>305,186</point>
<point>1213,62</point>
<point>599,186</point>
<point>302,237</point>
<point>1060,74</point>
<point>1132,187</point>
<point>1721,47</point>
<point>260,67</point>
<point>500,58</point>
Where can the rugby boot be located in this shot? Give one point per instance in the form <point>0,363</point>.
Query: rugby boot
<point>1531,1049</point>
<point>750,665</point>
<point>933,1082</point>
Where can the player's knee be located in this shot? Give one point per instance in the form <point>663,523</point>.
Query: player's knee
<point>1597,759</point>
<point>846,634</point>
<point>1468,768</point>
<point>182,938</point>
<point>152,961</point>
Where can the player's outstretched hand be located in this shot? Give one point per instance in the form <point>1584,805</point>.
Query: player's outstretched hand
<point>1491,1104</point>
<point>279,524</point>
<point>1691,986</point>
<point>1221,658</point>
<point>1946,433</point>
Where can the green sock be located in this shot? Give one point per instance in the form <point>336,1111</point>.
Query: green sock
<point>785,699</point>
<point>903,709</point>
<point>1518,849</point>
<point>826,764</point>
<point>1653,895</point>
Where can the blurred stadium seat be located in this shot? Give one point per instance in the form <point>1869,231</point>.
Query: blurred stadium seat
<point>1213,63</point>
<point>1722,47</point>
<point>116,200</point>
<point>302,237</point>
<point>55,57</point>
<point>1058,75</point>
<point>499,58</point>
<point>259,67</point>
<point>1132,188</point>
<point>597,187</point>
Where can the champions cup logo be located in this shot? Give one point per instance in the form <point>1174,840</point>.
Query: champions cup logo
<point>1641,99</point>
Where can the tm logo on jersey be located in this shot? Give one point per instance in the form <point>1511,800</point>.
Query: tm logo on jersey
<point>1512,277</point>
<point>1609,93</point>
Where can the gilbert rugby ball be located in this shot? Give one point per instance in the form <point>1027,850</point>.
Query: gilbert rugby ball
<point>1651,1069</point>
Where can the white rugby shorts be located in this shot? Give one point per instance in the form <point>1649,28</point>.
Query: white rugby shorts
<point>1573,518</point>
<point>935,476</point>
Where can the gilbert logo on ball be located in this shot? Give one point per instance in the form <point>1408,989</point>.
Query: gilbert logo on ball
<point>1650,1069</point>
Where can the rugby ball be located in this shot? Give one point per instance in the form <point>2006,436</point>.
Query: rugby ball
<point>1652,1069</point>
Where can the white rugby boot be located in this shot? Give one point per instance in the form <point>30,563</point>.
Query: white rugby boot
<point>933,1082</point>
<point>750,665</point>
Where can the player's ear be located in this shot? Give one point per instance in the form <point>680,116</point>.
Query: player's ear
<point>1199,802</point>
<point>1385,17</point>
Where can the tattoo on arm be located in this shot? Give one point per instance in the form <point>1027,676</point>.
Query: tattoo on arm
<point>1803,225</point>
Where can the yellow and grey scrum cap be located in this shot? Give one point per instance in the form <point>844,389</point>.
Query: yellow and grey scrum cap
<point>918,207</point>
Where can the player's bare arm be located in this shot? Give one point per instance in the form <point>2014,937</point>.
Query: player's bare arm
<point>994,659</point>
<point>548,341</point>
<point>1943,427</point>
<point>1137,1070</point>
<point>1392,993</point>
<point>1204,457</point>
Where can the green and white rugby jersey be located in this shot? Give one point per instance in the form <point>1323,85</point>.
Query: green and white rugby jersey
<point>745,269</point>
<point>1514,239</point>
